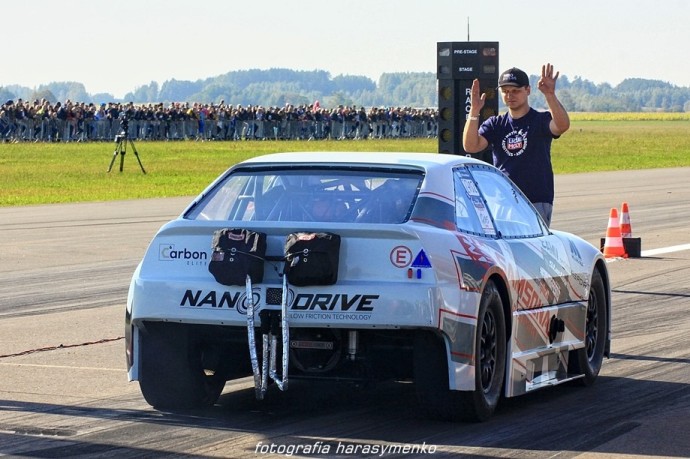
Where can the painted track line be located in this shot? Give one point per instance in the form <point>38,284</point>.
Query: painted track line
<point>65,367</point>
<point>662,250</point>
<point>654,252</point>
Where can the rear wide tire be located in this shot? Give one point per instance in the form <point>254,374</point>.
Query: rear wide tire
<point>431,367</point>
<point>172,374</point>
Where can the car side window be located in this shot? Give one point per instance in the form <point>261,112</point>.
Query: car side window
<point>471,214</point>
<point>512,213</point>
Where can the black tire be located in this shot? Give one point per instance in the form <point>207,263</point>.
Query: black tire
<point>431,367</point>
<point>587,361</point>
<point>171,372</point>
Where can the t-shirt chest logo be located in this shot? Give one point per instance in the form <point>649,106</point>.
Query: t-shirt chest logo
<point>515,143</point>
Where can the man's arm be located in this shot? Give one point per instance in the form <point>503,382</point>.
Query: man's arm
<point>472,142</point>
<point>560,121</point>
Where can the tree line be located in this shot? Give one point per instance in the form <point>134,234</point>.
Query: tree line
<point>278,87</point>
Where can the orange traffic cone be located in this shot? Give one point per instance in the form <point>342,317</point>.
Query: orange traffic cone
<point>626,229</point>
<point>613,246</point>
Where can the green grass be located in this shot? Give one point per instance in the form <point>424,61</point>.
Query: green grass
<point>591,146</point>
<point>39,173</point>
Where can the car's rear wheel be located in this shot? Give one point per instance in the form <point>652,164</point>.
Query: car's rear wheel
<point>173,370</point>
<point>431,367</point>
<point>587,361</point>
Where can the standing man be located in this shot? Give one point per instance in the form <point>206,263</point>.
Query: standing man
<point>520,139</point>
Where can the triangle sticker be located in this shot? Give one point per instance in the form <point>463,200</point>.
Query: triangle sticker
<point>421,260</point>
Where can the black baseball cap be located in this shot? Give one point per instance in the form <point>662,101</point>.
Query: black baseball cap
<point>513,77</point>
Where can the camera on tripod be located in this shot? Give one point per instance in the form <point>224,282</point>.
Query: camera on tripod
<point>121,141</point>
<point>124,128</point>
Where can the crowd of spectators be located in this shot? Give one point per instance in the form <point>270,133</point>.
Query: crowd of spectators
<point>41,121</point>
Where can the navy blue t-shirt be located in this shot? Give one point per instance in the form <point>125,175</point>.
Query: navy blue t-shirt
<point>522,149</point>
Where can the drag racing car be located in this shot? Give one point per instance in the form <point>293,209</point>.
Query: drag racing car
<point>362,267</point>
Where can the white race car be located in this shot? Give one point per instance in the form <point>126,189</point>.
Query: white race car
<point>355,267</point>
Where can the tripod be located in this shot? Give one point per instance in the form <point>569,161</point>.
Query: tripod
<point>121,148</point>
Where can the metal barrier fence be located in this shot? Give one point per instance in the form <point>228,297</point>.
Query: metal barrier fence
<point>53,129</point>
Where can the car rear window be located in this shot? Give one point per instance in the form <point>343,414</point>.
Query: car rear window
<point>311,195</point>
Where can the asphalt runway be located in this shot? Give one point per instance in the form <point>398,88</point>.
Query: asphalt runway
<point>64,274</point>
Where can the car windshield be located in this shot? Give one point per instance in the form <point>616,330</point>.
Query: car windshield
<point>311,195</point>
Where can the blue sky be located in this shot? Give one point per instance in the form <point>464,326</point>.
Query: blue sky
<point>117,46</point>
